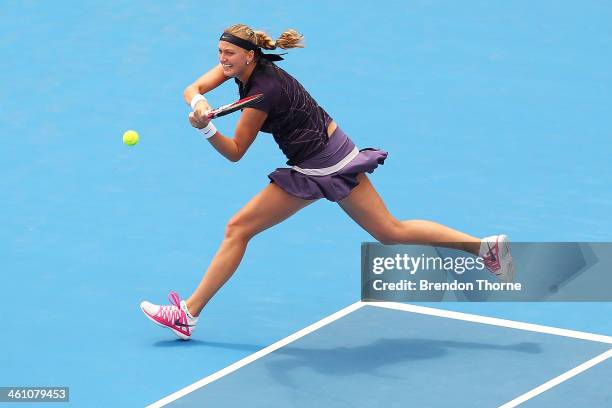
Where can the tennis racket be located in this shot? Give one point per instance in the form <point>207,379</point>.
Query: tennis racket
<point>233,107</point>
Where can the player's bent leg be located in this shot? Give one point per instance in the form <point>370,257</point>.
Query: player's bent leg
<point>366,207</point>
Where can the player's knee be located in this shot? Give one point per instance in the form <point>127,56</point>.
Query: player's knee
<point>389,234</point>
<point>384,238</point>
<point>238,228</point>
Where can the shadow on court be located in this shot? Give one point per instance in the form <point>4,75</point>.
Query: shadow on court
<point>365,359</point>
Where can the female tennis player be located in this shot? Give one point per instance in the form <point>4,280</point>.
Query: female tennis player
<point>323,163</point>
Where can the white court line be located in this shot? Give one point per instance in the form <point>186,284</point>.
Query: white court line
<point>261,353</point>
<point>493,321</point>
<point>558,380</point>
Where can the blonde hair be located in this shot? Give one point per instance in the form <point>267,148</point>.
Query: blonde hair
<point>289,39</point>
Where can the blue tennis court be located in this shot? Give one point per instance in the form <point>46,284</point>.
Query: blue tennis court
<point>496,119</point>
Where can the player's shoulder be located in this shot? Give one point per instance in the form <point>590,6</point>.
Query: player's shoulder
<point>268,77</point>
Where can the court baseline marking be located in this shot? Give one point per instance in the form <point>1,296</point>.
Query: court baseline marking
<point>420,310</point>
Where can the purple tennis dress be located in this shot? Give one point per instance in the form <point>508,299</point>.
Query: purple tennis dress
<point>321,166</point>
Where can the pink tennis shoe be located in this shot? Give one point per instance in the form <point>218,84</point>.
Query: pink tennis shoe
<point>495,252</point>
<point>175,316</point>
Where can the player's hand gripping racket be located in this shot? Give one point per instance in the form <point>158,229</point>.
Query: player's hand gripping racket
<point>233,107</point>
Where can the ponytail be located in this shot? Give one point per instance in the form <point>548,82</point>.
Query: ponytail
<point>288,39</point>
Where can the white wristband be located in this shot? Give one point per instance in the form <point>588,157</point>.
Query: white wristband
<point>209,131</point>
<point>195,100</point>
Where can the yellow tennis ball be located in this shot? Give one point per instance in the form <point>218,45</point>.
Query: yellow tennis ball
<point>130,137</point>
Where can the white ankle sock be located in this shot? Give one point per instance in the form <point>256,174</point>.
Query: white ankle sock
<point>186,310</point>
